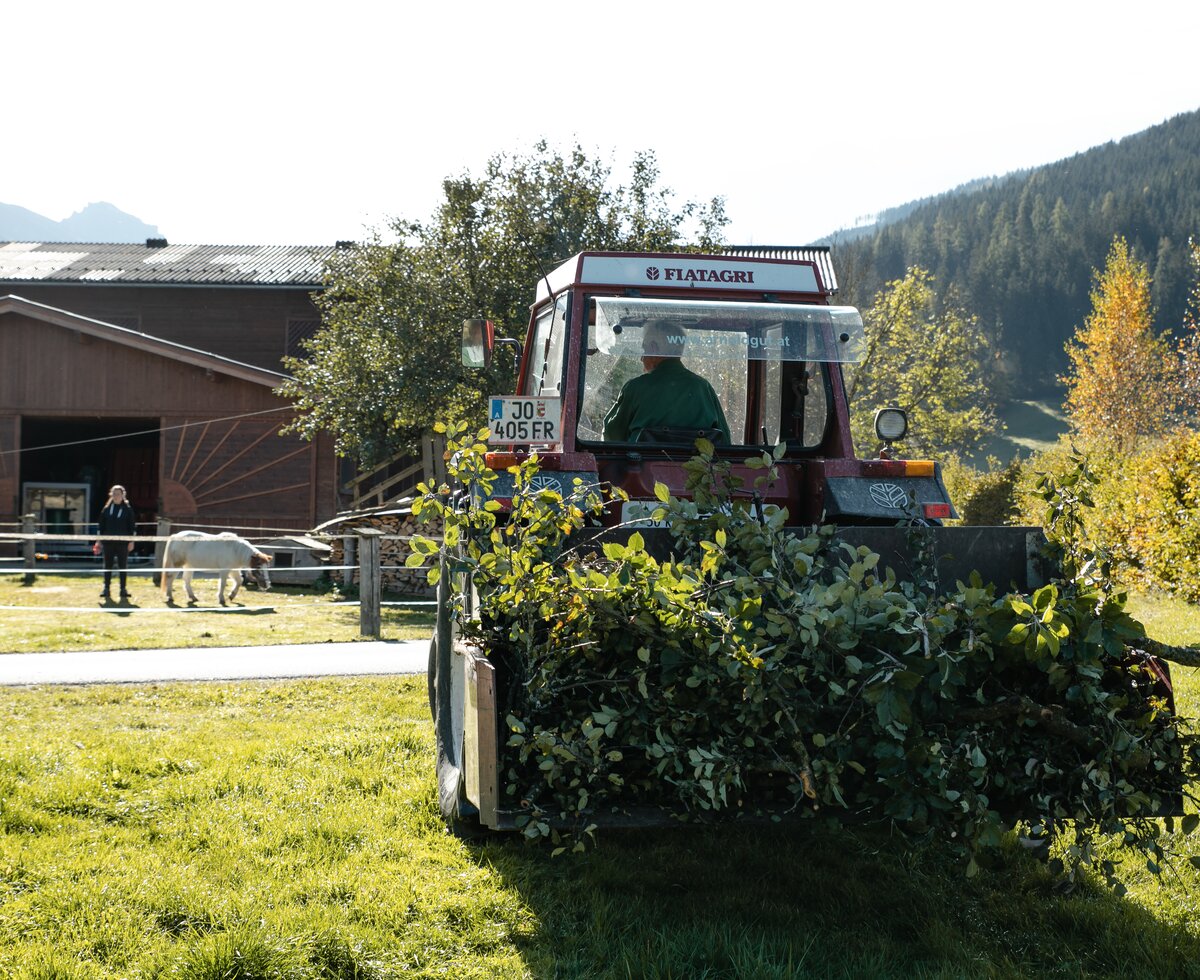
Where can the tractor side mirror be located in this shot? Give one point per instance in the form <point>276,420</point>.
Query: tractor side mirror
<point>478,343</point>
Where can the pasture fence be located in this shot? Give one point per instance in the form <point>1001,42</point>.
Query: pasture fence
<point>363,551</point>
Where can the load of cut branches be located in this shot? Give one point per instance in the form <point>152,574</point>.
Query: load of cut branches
<point>761,670</point>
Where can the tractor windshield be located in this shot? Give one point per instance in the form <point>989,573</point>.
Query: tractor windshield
<point>766,363</point>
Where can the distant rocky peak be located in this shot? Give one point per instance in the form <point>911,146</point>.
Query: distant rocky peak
<point>98,222</point>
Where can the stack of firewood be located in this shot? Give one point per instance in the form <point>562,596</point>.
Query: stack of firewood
<point>397,526</point>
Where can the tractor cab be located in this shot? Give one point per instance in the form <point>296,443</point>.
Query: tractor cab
<point>759,336</point>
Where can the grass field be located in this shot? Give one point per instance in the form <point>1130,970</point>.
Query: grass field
<point>63,612</point>
<point>288,830</point>
<point>1030,426</point>
<point>1166,619</point>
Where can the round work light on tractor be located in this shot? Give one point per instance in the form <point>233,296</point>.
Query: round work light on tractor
<point>891,425</point>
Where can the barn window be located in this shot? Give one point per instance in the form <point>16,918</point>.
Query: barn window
<point>299,330</point>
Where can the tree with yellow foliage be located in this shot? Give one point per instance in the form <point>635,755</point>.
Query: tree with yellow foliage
<point>1121,381</point>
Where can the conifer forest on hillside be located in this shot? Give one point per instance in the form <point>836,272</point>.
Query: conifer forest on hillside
<point>1019,251</point>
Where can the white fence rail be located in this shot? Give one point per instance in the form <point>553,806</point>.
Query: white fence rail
<point>363,543</point>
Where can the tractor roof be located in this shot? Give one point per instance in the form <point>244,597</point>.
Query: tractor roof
<point>791,273</point>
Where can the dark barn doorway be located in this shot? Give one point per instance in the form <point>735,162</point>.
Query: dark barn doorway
<point>97,453</point>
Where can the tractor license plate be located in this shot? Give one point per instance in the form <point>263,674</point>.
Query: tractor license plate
<point>524,421</point>
<point>640,513</point>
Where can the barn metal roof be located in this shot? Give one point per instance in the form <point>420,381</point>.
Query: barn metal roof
<point>157,263</point>
<point>298,266</point>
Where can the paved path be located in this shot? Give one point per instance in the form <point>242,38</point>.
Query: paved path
<point>216,663</point>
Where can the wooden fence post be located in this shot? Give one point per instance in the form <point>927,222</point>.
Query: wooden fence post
<point>349,559</point>
<point>369,582</point>
<point>28,546</point>
<point>433,458</point>
<point>162,531</point>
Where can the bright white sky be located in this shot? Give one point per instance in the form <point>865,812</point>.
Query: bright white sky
<point>300,122</point>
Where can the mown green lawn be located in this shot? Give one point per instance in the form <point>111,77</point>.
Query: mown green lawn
<point>64,612</point>
<point>289,830</point>
<point>1166,619</point>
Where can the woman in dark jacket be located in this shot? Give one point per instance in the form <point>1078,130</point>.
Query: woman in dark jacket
<point>116,518</point>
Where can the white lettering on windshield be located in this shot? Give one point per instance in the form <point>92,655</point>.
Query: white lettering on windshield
<point>713,339</point>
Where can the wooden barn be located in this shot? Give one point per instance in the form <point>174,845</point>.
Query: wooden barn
<point>155,367</point>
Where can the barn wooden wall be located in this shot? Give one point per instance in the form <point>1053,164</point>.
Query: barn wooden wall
<point>237,472</point>
<point>247,324</point>
<point>222,471</point>
<point>9,466</point>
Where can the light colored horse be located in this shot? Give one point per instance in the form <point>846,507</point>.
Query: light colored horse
<point>225,553</point>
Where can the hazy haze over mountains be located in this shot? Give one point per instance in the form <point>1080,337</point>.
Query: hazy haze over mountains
<point>96,223</point>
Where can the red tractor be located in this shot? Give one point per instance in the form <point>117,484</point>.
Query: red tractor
<point>765,336</point>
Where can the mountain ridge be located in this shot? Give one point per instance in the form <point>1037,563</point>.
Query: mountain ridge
<point>98,222</point>
<point>1019,252</point>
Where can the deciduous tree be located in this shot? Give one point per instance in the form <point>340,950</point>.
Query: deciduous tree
<point>385,364</point>
<point>1119,386</point>
<point>934,362</point>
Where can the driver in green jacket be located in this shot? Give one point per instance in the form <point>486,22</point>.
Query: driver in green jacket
<point>668,395</point>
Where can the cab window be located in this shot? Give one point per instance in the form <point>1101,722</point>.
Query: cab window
<point>768,364</point>
<point>546,352</point>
